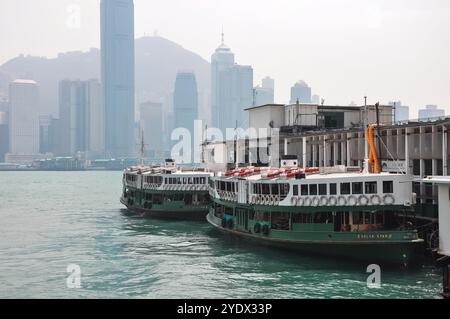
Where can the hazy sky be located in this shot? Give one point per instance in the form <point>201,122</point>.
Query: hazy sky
<point>385,49</point>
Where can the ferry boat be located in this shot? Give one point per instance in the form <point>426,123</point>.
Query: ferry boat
<point>167,192</point>
<point>334,211</point>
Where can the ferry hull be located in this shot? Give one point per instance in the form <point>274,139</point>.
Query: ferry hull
<point>403,254</point>
<point>187,213</point>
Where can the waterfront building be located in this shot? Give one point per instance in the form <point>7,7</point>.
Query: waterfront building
<point>4,135</point>
<point>300,92</point>
<point>232,89</point>
<point>117,69</point>
<point>82,117</point>
<point>431,111</point>
<point>401,112</point>
<point>24,118</point>
<point>264,93</point>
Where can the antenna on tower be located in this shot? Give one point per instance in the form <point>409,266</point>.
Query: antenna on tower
<point>223,36</point>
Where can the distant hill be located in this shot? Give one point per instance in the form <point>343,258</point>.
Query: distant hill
<point>157,62</point>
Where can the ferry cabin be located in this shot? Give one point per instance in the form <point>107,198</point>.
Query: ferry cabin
<point>160,192</point>
<point>335,208</point>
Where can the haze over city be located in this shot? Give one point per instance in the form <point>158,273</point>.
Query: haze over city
<point>387,50</point>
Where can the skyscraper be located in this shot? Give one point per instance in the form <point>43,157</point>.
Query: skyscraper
<point>24,118</point>
<point>185,101</point>
<point>400,112</point>
<point>264,93</point>
<point>117,54</point>
<point>301,92</point>
<point>81,116</point>
<point>430,111</point>
<point>231,89</point>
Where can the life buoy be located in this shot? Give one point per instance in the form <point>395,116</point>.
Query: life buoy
<point>375,200</point>
<point>307,201</point>
<point>323,200</point>
<point>315,201</point>
<point>363,200</point>
<point>257,228</point>
<point>332,201</point>
<point>342,201</point>
<point>265,229</point>
<point>294,201</point>
<point>352,200</point>
<point>388,199</point>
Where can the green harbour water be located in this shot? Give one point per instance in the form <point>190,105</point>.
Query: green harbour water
<point>50,220</point>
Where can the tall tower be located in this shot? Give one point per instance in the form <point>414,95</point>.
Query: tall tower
<point>24,117</point>
<point>231,89</point>
<point>301,92</point>
<point>221,61</point>
<point>117,54</point>
<point>185,101</point>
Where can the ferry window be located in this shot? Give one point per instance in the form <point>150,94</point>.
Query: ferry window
<point>313,189</point>
<point>166,181</point>
<point>274,189</point>
<point>322,189</point>
<point>371,187</point>
<point>388,187</point>
<point>295,190</point>
<point>357,188</point>
<point>345,188</point>
<point>304,190</point>
<point>233,187</point>
<point>265,189</point>
<point>284,189</point>
<point>333,189</point>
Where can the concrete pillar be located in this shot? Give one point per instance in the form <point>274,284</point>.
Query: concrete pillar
<point>325,159</point>
<point>285,146</point>
<point>304,151</point>
<point>444,151</point>
<point>408,168</point>
<point>348,149</point>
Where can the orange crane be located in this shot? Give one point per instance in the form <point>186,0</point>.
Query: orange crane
<point>374,164</point>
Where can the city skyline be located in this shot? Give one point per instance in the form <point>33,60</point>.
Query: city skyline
<point>413,32</point>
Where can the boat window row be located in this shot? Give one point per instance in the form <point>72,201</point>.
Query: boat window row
<point>153,179</point>
<point>184,180</point>
<point>226,186</point>
<point>355,188</point>
<point>130,178</point>
<point>278,189</point>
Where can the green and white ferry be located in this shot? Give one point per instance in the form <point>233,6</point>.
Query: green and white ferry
<point>167,192</point>
<point>333,211</point>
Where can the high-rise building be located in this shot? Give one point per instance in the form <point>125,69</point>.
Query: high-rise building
<point>301,92</point>
<point>4,135</point>
<point>151,124</point>
<point>400,112</point>
<point>23,118</point>
<point>82,117</point>
<point>117,55</point>
<point>185,101</point>
<point>264,94</point>
<point>431,111</point>
<point>231,89</point>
